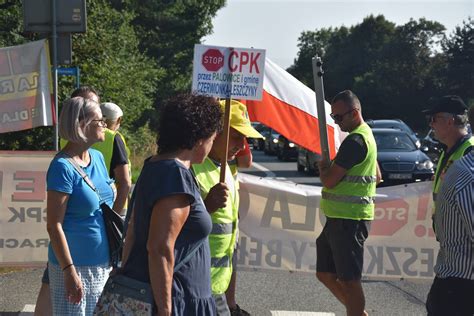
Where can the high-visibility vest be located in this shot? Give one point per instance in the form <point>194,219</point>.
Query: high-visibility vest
<point>353,196</point>
<point>458,153</point>
<point>224,224</point>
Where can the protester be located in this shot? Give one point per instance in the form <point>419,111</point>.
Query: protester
<point>243,159</point>
<point>116,155</point>
<point>448,120</point>
<point>453,287</point>
<point>348,202</point>
<point>78,255</point>
<point>43,302</point>
<point>169,224</point>
<point>222,201</point>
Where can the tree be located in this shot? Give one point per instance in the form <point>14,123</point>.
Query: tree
<point>459,50</point>
<point>109,58</point>
<point>168,31</point>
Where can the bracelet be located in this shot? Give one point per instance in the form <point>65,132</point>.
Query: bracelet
<point>69,265</point>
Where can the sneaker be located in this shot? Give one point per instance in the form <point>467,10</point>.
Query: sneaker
<point>237,311</point>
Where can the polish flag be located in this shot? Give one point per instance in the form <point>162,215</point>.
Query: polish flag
<point>289,107</point>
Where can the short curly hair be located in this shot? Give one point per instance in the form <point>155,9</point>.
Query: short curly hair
<point>185,119</point>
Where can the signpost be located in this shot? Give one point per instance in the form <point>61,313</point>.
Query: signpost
<point>227,72</point>
<point>71,71</point>
<point>54,17</point>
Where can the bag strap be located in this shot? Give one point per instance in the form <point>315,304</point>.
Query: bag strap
<point>190,254</point>
<point>81,172</point>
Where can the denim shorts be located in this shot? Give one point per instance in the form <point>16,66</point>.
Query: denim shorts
<point>340,248</point>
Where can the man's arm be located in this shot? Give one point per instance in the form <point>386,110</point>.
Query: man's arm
<point>330,174</point>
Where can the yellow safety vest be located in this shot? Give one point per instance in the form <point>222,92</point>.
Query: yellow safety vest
<point>458,153</point>
<point>353,196</point>
<point>224,224</point>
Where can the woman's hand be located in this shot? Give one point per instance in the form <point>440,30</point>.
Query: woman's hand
<point>73,286</point>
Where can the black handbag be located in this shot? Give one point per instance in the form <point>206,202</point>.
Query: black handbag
<point>114,224</point>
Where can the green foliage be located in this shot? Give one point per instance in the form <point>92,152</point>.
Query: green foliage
<point>393,69</point>
<point>168,31</point>
<point>109,58</point>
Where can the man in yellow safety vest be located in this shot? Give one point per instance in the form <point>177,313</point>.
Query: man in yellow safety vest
<point>222,201</point>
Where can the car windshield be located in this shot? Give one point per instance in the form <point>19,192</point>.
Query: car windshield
<point>394,142</point>
<point>398,125</point>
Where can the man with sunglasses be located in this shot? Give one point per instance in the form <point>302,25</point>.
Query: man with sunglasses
<point>448,119</point>
<point>348,202</point>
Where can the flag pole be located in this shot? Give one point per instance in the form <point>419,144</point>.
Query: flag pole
<point>319,90</point>
<point>226,138</point>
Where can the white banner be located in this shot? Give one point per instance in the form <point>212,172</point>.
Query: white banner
<point>227,72</point>
<point>25,80</point>
<point>279,222</point>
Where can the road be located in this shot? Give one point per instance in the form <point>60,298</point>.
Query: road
<point>262,293</point>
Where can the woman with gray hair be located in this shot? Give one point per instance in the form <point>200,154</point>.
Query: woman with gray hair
<point>78,255</point>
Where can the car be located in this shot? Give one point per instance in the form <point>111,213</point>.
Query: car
<point>259,143</point>
<point>271,143</point>
<point>306,161</point>
<point>431,146</point>
<point>397,124</point>
<point>286,149</point>
<point>399,158</point>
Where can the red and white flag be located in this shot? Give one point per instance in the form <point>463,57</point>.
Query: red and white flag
<point>289,107</point>
<point>25,87</point>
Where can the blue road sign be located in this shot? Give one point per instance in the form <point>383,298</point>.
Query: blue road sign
<point>72,71</point>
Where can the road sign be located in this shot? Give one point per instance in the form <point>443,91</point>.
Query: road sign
<point>72,71</point>
<point>228,72</point>
<point>212,60</point>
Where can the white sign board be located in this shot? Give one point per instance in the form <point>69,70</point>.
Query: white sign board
<point>227,72</point>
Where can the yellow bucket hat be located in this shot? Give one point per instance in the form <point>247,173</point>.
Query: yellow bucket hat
<point>239,119</point>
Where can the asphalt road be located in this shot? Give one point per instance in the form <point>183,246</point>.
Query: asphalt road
<point>262,292</point>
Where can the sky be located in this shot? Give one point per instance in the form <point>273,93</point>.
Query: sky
<point>275,25</point>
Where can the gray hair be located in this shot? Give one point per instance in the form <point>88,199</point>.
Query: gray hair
<point>460,120</point>
<point>76,115</point>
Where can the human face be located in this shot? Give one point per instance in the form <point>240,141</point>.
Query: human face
<point>342,115</point>
<point>202,149</point>
<point>95,130</point>
<point>439,122</point>
<point>236,144</point>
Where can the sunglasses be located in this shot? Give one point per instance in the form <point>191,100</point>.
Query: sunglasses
<point>436,117</point>
<point>340,117</point>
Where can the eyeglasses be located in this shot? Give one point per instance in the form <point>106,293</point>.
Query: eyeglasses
<point>100,122</point>
<point>436,117</point>
<point>340,117</point>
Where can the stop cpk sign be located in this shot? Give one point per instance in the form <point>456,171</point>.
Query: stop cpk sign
<point>389,217</point>
<point>212,59</point>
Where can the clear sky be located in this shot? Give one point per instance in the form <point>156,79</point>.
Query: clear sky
<point>275,25</point>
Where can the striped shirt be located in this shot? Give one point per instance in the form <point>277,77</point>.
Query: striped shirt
<point>454,221</point>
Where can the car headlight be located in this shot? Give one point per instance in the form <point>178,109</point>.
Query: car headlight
<point>418,143</point>
<point>291,145</point>
<point>275,140</point>
<point>425,165</point>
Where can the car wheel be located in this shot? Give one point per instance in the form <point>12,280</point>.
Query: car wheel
<point>299,167</point>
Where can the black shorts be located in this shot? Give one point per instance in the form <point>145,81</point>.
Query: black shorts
<point>340,248</point>
<point>451,296</point>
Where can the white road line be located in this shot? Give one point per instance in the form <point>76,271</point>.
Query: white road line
<point>296,313</point>
<point>262,168</point>
<point>29,308</point>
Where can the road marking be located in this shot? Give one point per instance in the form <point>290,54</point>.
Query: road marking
<point>268,173</point>
<point>29,308</point>
<point>296,313</point>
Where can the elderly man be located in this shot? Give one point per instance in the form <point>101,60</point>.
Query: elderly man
<point>222,201</point>
<point>452,291</point>
<point>448,120</point>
